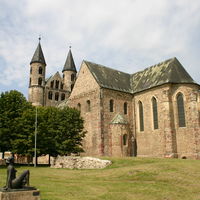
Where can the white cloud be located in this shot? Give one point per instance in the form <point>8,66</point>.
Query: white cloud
<point>128,35</point>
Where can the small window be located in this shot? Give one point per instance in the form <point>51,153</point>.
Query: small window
<point>124,139</point>
<point>155,113</point>
<point>63,76</point>
<point>40,81</point>
<point>52,84</point>
<point>88,108</point>
<point>181,110</point>
<point>141,116</point>
<point>72,86</point>
<point>57,84</point>
<point>50,95</point>
<point>56,96</point>
<point>111,105</point>
<point>61,86</point>
<point>62,96</point>
<point>79,107</point>
<point>40,70</point>
<point>72,77</point>
<point>31,70</point>
<point>30,81</point>
<point>125,108</point>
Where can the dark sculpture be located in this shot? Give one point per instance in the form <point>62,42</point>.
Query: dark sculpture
<point>14,182</point>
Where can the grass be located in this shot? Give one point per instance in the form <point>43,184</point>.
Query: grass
<point>125,179</point>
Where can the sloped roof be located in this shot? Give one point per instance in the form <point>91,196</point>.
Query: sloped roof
<point>169,71</point>
<point>38,55</point>
<point>110,78</point>
<point>118,119</point>
<point>69,63</point>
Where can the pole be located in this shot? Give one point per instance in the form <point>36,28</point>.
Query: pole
<point>35,153</point>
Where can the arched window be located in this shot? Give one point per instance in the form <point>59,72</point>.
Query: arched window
<point>181,110</point>
<point>125,108</point>
<point>50,95</point>
<point>141,116</point>
<point>79,107</point>
<point>72,77</point>
<point>111,105</point>
<point>57,84</point>
<point>40,81</point>
<point>155,113</point>
<point>124,139</point>
<point>40,70</point>
<point>56,96</point>
<point>88,108</point>
<point>72,86</point>
<point>52,84</point>
<point>61,86</point>
<point>62,96</point>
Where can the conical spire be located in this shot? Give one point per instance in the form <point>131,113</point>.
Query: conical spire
<point>38,55</point>
<point>69,64</point>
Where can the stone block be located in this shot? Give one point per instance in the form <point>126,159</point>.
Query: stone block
<point>20,195</point>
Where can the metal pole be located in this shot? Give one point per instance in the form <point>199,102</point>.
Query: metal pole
<point>35,153</point>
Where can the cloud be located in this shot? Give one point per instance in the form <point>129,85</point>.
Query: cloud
<point>128,35</point>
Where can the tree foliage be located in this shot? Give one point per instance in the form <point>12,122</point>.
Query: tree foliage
<point>59,131</point>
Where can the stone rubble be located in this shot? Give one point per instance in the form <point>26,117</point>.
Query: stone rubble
<point>77,162</point>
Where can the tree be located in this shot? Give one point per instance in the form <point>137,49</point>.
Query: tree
<point>59,131</point>
<point>12,106</point>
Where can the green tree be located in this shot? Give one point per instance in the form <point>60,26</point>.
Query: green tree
<point>12,106</point>
<point>70,131</point>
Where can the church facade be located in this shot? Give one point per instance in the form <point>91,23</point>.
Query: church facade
<point>151,113</point>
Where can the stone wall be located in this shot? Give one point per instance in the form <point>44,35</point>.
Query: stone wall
<point>87,90</point>
<point>119,99</point>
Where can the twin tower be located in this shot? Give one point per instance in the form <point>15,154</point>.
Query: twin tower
<point>55,89</point>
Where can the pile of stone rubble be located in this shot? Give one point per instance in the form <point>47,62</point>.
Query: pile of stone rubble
<point>77,162</point>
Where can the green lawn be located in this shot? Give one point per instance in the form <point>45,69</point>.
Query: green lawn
<point>126,179</point>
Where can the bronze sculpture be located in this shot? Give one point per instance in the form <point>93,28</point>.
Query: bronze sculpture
<point>14,182</point>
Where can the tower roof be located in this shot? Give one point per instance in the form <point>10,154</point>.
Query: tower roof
<point>69,63</point>
<point>38,56</point>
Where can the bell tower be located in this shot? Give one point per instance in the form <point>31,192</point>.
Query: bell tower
<point>69,72</point>
<point>37,77</point>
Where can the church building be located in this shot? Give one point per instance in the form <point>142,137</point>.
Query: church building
<point>151,113</point>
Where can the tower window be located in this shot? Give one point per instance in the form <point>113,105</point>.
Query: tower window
<point>40,70</point>
<point>61,86</point>
<point>56,96</point>
<point>141,116</point>
<point>88,108</point>
<point>40,81</point>
<point>155,113</point>
<point>72,86</point>
<point>111,105</point>
<point>50,95</point>
<point>181,110</point>
<point>63,76</point>
<point>125,108</point>
<point>62,97</point>
<point>79,107</point>
<point>31,70</point>
<point>30,81</point>
<point>72,77</point>
<point>52,84</point>
<point>57,84</point>
<point>124,139</point>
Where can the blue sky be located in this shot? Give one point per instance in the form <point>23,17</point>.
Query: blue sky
<point>128,35</point>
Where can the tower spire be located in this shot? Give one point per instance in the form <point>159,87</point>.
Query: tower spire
<point>38,56</point>
<point>69,63</point>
